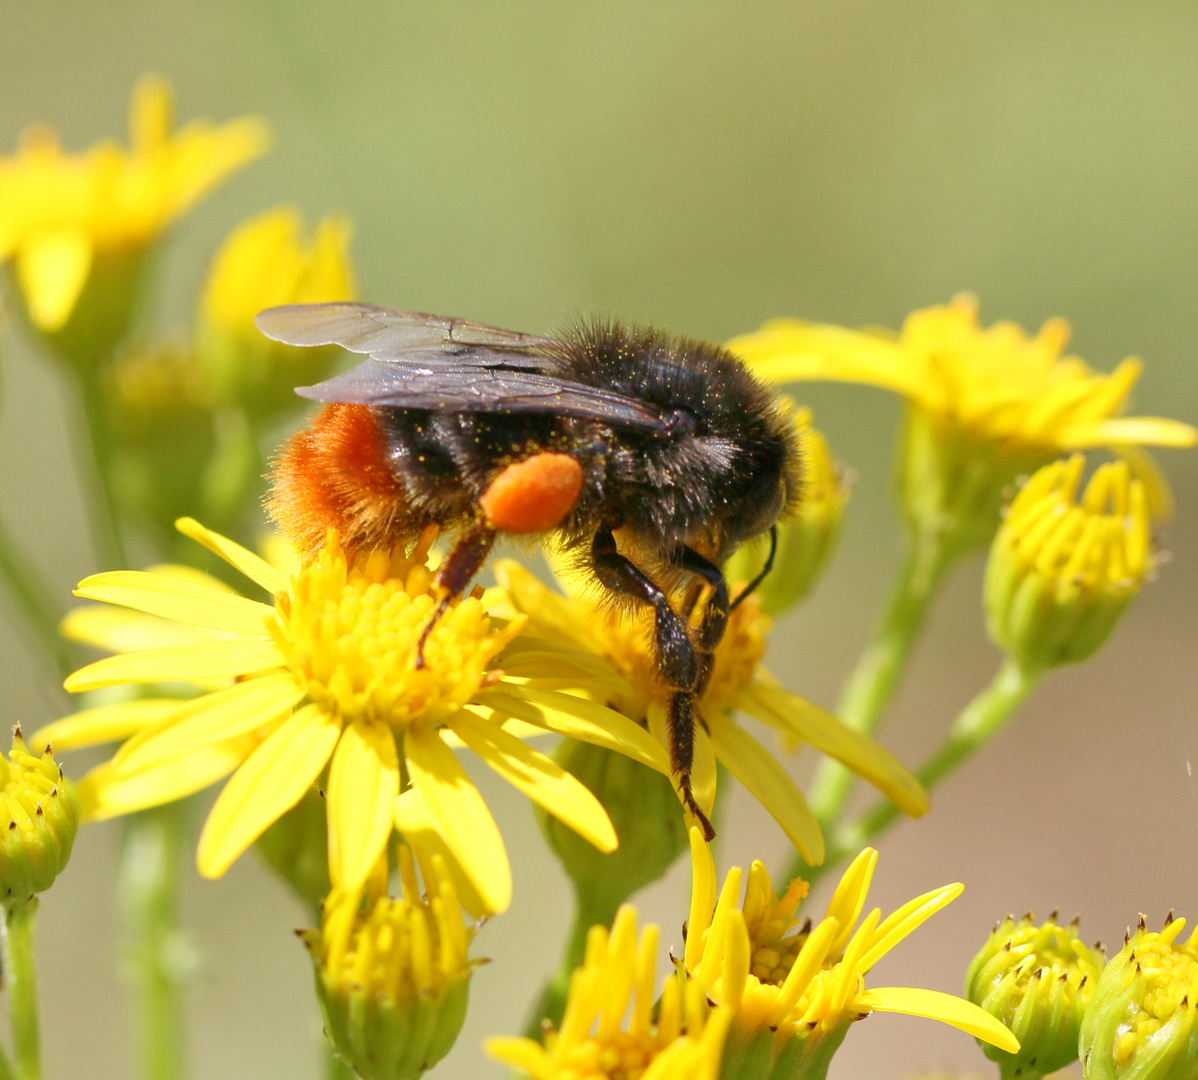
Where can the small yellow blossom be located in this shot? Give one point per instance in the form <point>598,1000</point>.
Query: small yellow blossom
<point>1142,1022</point>
<point>985,404</point>
<point>611,658</point>
<point>795,989</point>
<point>611,1030</point>
<point>393,975</point>
<point>1065,565</point>
<point>38,823</point>
<point>1038,981</point>
<point>63,215</point>
<point>267,261</point>
<point>326,676</point>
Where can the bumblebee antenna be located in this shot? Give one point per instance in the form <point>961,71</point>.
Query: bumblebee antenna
<point>769,565</point>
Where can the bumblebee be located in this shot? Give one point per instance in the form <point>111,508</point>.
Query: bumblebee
<point>646,458</point>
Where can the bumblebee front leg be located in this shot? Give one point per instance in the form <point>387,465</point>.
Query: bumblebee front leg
<point>464,561</point>
<point>715,616</point>
<point>676,660</point>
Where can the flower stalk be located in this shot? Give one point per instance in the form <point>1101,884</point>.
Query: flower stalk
<point>20,920</point>
<point>158,962</point>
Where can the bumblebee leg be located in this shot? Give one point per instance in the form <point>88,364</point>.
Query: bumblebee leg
<point>675,652</point>
<point>676,660</point>
<point>715,617</point>
<point>682,754</point>
<point>466,560</point>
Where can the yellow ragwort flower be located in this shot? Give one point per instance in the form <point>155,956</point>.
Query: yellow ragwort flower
<point>795,988</point>
<point>62,214</point>
<point>267,261</point>
<point>326,676</point>
<point>1065,565</point>
<point>1142,1022</point>
<point>393,974</point>
<point>609,658</point>
<point>682,1039</point>
<point>985,404</point>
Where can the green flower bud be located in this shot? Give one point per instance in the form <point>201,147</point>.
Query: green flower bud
<point>43,816</point>
<point>1142,1022</point>
<point>807,537</point>
<point>1063,568</point>
<point>1037,980</point>
<point>643,808</point>
<point>393,975</point>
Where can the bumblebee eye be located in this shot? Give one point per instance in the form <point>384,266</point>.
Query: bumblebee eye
<point>758,508</point>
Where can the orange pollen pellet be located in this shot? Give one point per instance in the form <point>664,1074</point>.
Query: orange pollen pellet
<point>533,495</point>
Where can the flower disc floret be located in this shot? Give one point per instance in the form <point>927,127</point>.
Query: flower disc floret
<point>350,635</point>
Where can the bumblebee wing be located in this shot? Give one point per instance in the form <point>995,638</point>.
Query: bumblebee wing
<point>422,361</point>
<point>388,334</point>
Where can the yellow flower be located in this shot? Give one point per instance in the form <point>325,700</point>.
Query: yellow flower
<point>267,261</point>
<point>1142,1022</point>
<point>1063,568</point>
<point>611,661</point>
<point>682,1039</point>
<point>326,676</point>
<point>393,975</point>
<point>795,989</point>
<point>984,404</point>
<point>62,215</point>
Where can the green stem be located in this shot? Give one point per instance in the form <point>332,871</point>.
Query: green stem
<point>551,1004</point>
<point>35,602</point>
<point>105,518</point>
<point>983,718</point>
<point>21,916</point>
<point>151,862</point>
<point>872,683</point>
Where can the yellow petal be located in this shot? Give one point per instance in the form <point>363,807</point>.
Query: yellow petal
<point>758,770</point>
<point>789,350</point>
<point>363,785</point>
<point>523,1054</point>
<point>174,598</point>
<point>577,718</point>
<point>905,920</point>
<point>848,900</point>
<point>415,824</point>
<point>119,630</point>
<point>460,816</point>
<point>255,568</point>
<point>52,268</point>
<point>238,710</point>
<point>1128,431</point>
<point>270,782</point>
<point>1143,465</point>
<point>203,660</point>
<point>947,1009</point>
<point>550,616</point>
<point>105,723</point>
<point>104,793</point>
<point>793,716</point>
<point>539,777</point>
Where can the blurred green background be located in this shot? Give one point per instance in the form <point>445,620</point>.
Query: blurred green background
<point>704,166</point>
